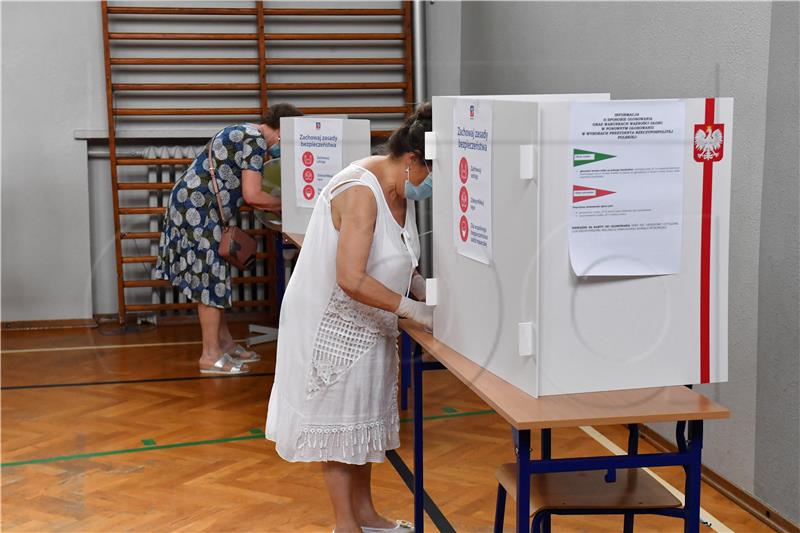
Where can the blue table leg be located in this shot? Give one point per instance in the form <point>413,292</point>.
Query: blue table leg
<point>523,439</point>
<point>499,510</point>
<point>419,494</point>
<point>538,521</point>
<point>281,273</point>
<point>405,369</point>
<point>546,446</point>
<point>633,449</point>
<point>693,479</point>
<point>680,436</point>
<point>547,443</point>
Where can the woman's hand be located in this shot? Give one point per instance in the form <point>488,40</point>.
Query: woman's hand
<point>416,311</point>
<point>418,286</point>
<point>274,209</point>
<point>255,196</point>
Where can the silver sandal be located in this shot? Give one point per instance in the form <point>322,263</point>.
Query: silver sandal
<point>234,366</point>
<point>238,351</point>
<point>401,526</point>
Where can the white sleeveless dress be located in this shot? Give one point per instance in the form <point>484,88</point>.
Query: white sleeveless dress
<point>335,392</point>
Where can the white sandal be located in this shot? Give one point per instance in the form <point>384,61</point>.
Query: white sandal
<point>234,366</point>
<point>401,526</point>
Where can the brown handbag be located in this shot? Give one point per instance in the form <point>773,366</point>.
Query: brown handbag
<point>236,246</point>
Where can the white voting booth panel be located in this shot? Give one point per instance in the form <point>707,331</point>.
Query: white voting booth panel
<point>355,144</point>
<point>525,315</point>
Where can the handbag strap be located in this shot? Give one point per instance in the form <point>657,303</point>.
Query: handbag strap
<point>214,182</point>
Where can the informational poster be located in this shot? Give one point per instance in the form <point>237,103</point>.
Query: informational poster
<point>472,180</point>
<point>627,187</point>
<point>318,156</point>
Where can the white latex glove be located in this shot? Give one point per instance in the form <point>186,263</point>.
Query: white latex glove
<point>418,286</point>
<point>416,311</point>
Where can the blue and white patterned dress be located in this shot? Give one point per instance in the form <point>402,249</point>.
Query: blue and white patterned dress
<point>187,251</point>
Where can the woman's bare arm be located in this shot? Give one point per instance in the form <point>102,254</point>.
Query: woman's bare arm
<point>254,195</point>
<point>355,211</point>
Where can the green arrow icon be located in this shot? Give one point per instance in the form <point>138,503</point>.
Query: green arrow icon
<point>584,157</point>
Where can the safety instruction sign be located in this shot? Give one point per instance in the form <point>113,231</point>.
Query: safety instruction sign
<point>626,192</point>
<point>472,180</point>
<point>318,156</point>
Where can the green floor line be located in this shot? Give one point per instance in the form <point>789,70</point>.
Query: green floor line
<point>259,435</point>
<point>455,415</point>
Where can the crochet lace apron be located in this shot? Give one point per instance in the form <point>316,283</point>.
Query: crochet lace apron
<point>335,391</point>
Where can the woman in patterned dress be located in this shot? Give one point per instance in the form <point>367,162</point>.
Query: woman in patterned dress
<point>188,250</point>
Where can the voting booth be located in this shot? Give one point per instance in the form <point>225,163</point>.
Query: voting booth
<point>313,150</point>
<point>581,243</point>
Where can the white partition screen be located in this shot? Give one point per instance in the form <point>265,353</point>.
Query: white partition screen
<point>526,316</point>
<point>303,167</point>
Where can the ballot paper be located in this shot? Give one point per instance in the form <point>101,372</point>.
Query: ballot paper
<point>271,177</point>
<point>318,156</point>
<point>271,184</point>
<point>626,191</point>
<point>472,179</point>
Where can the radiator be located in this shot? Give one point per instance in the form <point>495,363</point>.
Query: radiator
<point>168,173</point>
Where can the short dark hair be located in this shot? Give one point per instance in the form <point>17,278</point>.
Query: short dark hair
<point>272,117</point>
<point>410,136</point>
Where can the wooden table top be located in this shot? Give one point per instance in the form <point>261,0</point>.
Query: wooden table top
<point>523,411</point>
<point>267,219</point>
<point>295,238</point>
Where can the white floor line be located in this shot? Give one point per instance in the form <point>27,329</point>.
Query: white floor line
<point>105,347</point>
<point>713,522</point>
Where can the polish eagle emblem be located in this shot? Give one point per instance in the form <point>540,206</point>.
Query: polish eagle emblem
<point>708,142</point>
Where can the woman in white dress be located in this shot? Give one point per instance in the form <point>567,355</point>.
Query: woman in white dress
<point>334,399</point>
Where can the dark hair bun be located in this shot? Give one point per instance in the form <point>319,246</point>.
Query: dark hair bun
<point>424,112</point>
<point>276,112</point>
<point>410,137</point>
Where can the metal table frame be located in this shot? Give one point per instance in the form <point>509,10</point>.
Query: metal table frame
<point>688,456</point>
<point>284,253</point>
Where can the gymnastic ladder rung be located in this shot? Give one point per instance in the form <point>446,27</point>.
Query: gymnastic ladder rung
<point>164,167</point>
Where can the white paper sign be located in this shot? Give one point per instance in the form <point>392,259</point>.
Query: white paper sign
<point>627,187</point>
<point>318,156</point>
<point>472,179</point>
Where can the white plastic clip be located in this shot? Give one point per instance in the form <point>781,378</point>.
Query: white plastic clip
<point>430,145</point>
<point>431,291</point>
<point>528,162</point>
<point>527,338</point>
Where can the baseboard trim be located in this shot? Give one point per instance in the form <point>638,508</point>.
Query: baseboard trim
<point>250,317</point>
<point>740,497</point>
<point>29,325</point>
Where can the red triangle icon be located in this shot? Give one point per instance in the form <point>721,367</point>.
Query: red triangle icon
<point>581,193</point>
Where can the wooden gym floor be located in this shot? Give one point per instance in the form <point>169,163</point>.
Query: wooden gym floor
<point>121,433</point>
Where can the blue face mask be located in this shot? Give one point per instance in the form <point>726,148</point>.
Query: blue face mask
<point>274,151</point>
<point>421,191</point>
